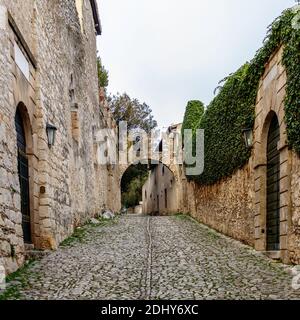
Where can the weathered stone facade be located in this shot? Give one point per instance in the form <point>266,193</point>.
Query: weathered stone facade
<point>163,192</point>
<point>237,206</point>
<point>48,72</point>
<point>270,102</point>
<point>160,192</point>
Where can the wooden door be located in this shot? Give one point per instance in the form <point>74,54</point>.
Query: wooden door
<point>23,171</point>
<point>273,187</point>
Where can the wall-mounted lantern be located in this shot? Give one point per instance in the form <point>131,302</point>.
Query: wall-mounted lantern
<point>248,136</point>
<point>51,133</point>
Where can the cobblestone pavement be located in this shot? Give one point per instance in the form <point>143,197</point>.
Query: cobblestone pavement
<point>156,258</point>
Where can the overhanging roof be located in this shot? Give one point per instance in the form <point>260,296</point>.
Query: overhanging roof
<point>96,17</point>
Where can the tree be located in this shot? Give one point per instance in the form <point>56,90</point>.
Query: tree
<point>193,114</point>
<point>102,74</point>
<point>138,115</point>
<point>132,185</point>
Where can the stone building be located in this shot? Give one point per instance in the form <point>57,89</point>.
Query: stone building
<point>159,194</point>
<point>48,84</point>
<point>259,204</point>
<point>162,192</point>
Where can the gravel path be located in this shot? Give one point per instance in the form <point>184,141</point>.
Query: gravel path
<point>155,258</point>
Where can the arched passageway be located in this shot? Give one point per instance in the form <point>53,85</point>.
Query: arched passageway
<point>131,185</point>
<point>149,188</point>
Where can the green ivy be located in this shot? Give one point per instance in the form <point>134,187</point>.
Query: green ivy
<point>193,114</point>
<point>234,107</point>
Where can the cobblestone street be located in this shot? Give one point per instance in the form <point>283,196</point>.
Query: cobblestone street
<point>140,257</point>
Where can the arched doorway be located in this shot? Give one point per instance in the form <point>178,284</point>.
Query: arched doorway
<point>273,186</point>
<point>23,171</point>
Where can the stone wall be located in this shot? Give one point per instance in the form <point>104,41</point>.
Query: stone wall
<point>108,175</point>
<point>226,206</point>
<point>294,228</point>
<point>67,186</point>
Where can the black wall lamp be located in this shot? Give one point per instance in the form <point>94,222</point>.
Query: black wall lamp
<point>51,133</point>
<point>248,136</point>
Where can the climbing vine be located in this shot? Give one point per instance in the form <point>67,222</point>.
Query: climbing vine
<point>193,115</point>
<point>234,107</point>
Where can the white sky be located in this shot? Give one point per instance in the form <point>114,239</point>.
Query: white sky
<point>166,52</point>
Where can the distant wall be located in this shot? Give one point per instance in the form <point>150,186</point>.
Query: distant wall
<point>160,192</point>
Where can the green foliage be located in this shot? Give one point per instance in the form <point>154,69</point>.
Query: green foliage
<point>17,281</point>
<point>132,184</point>
<point>193,114</point>
<point>102,74</point>
<point>78,236</point>
<point>234,107</point>
<point>291,61</point>
<point>192,117</point>
<point>182,216</point>
<point>223,122</point>
<point>138,115</point>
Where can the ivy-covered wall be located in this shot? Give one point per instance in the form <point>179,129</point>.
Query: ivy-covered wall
<point>193,114</point>
<point>233,109</point>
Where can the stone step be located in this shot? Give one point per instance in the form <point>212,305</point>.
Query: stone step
<point>275,255</point>
<point>36,254</point>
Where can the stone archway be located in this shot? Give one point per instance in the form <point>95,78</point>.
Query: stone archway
<point>171,167</point>
<point>176,172</point>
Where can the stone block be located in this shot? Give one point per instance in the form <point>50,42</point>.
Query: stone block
<point>284,199</point>
<point>281,82</point>
<point>285,184</point>
<point>284,213</point>
<point>259,244</point>
<point>3,18</point>
<point>44,211</point>
<point>283,242</point>
<point>271,75</point>
<point>257,232</point>
<point>257,222</point>
<point>283,228</point>
<point>47,223</point>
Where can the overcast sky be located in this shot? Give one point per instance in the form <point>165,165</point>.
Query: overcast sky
<point>166,52</point>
